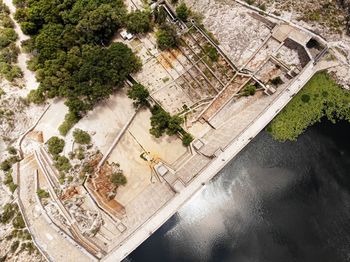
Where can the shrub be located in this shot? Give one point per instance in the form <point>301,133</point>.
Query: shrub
<point>14,246</point>
<point>7,36</point>
<point>276,81</point>
<point>62,164</point>
<point>182,12</point>
<point>249,90</point>
<point>69,121</point>
<point>8,213</point>
<point>118,179</point>
<point>305,98</point>
<point>42,193</point>
<point>18,222</point>
<point>12,150</point>
<point>5,165</point>
<point>81,137</point>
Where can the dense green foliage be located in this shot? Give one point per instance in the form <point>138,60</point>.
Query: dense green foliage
<point>162,122</point>
<point>62,163</point>
<point>248,91</point>
<point>8,49</point>
<point>139,94</point>
<point>187,139</point>
<point>321,97</point>
<point>81,137</point>
<point>166,37</point>
<point>138,22</point>
<point>71,57</point>
<point>55,145</point>
<point>118,179</point>
<point>182,12</point>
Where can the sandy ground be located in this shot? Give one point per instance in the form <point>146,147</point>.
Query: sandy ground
<point>105,121</point>
<point>52,119</point>
<point>242,35</point>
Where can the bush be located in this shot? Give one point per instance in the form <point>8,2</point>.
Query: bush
<point>118,179</point>
<point>182,12</point>
<point>166,37</point>
<point>36,96</point>
<point>81,137</point>
<point>276,81</point>
<point>187,139</point>
<point>69,121</point>
<point>14,246</point>
<point>55,145</point>
<point>42,193</point>
<point>10,72</point>
<point>18,222</point>
<point>249,90</point>
<point>5,165</point>
<point>8,213</point>
<point>305,98</point>
<point>7,36</point>
<point>12,150</point>
<point>62,164</point>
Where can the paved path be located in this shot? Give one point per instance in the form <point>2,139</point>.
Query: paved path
<point>213,168</point>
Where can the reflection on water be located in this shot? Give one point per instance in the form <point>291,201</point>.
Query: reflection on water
<point>273,202</point>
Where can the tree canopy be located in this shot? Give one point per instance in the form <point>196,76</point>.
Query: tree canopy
<point>139,94</point>
<point>72,54</point>
<point>182,12</point>
<point>55,145</point>
<point>166,37</point>
<point>81,137</point>
<point>138,22</point>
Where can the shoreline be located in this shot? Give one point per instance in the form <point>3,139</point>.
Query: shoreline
<point>213,168</point>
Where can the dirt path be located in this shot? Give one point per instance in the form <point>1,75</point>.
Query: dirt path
<point>28,76</point>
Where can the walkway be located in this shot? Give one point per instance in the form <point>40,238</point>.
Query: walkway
<point>50,240</point>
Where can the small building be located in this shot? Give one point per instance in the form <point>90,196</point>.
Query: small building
<point>161,169</point>
<point>198,144</point>
<point>125,35</point>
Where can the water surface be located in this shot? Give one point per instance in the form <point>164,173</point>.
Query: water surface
<point>274,202</point>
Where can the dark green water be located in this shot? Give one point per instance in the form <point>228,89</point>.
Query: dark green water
<point>274,202</point>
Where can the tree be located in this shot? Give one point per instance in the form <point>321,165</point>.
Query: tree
<point>174,125</point>
<point>182,12</point>
<point>140,94</point>
<point>55,145</point>
<point>62,163</point>
<point>160,15</point>
<point>138,22</point>
<point>81,137</point>
<point>118,179</point>
<point>166,37</point>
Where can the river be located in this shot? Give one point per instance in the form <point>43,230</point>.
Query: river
<point>273,202</point>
